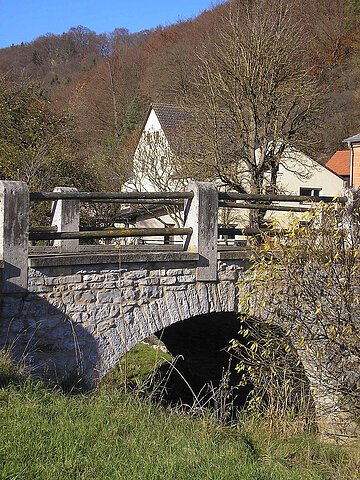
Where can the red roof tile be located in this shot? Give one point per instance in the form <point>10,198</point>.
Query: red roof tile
<point>339,163</point>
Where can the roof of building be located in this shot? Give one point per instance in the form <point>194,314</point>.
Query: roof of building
<point>339,163</point>
<point>170,116</point>
<point>353,139</point>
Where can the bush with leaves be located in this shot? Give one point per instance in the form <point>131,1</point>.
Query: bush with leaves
<point>301,314</point>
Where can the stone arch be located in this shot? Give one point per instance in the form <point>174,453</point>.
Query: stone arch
<point>136,322</point>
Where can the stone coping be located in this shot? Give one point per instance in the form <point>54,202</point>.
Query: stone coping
<point>127,257</point>
<point>111,258</point>
<point>234,255</point>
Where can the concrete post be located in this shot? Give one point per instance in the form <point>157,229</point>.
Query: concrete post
<point>14,235</point>
<point>65,215</point>
<point>201,213</point>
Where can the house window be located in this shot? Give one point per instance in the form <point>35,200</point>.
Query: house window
<point>310,192</point>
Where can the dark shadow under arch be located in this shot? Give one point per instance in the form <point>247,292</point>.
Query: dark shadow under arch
<point>202,342</point>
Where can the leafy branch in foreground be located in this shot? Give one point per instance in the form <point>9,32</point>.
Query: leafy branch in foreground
<point>300,305</point>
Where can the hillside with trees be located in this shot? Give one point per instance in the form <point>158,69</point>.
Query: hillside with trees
<point>78,99</point>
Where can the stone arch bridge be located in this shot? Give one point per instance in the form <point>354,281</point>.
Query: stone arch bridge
<point>68,307</point>
<point>83,314</point>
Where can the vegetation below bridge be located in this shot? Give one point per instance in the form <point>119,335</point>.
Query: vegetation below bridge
<point>47,434</point>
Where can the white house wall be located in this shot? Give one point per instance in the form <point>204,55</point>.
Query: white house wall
<point>318,177</point>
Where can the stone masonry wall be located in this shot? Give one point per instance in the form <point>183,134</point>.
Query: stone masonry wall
<point>84,318</point>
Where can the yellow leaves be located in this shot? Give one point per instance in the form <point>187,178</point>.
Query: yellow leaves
<point>332,330</point>
<point>272,369</point>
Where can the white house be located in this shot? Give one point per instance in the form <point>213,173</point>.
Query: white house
<point>153,169</point>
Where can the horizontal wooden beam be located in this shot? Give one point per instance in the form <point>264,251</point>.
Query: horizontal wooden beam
<point>248,232</point>
<point>256,206</point>
<point>279,198</point>
<point>111,233</point>
<point>42,229</point>
<point>103,196</point>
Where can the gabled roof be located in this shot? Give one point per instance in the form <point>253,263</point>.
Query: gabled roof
<point>353,139</point>
<point>339,163</point>
<point>170,116</point>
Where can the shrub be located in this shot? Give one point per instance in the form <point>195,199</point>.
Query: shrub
<point>300,304</point>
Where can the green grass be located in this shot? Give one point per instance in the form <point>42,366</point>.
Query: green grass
<point>141,362</point>
<point>47,435</point>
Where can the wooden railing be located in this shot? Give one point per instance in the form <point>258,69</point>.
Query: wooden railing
<point>176,199</point>
<point>200,202</point>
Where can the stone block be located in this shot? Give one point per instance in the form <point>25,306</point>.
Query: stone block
<point>213,296</point>
<point>154,317</point>
<point>80,287</point>
<point>69,279</point>
<point>95,285</point>
<point>131,294</point>
<point>183,305</point>
<point>112,277</point>
<point>189,271</point>
<point>51,280</point>
<point>140,321</point>
<point>228,275</point>
<point>136,275</point>
<point>203,301</point>
<point>150,292</point>
<point>148,281</point>
<point>93,277</point>
<point>39,289</point>
<point>186,279</point>
<point>176,288</point>
<point>114,311</point>
<point>158,273</point>
<point>174,272</point>
<point>172,307</point>
<point>105,297</point>
<point>168,280</point>
<point>77,308</point>
<point>34,281</point>
<point>68,298</point>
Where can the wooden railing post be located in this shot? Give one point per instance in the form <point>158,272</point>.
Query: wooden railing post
<point>65,215</point>
<point>201,214</point>
<point>14,233</point>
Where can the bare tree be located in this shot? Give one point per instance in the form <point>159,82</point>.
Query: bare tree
<point>254,99</point>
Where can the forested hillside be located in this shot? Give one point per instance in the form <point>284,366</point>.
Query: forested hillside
<point>78,99</point>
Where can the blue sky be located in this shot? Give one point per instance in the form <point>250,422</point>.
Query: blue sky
<point>24,20</point>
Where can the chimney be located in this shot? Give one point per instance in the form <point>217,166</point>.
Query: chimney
<point>354,146</point>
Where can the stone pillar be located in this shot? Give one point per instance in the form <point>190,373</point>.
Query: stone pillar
<point>201,213</point>
<point>14,235</point>
<point>65,215</point>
